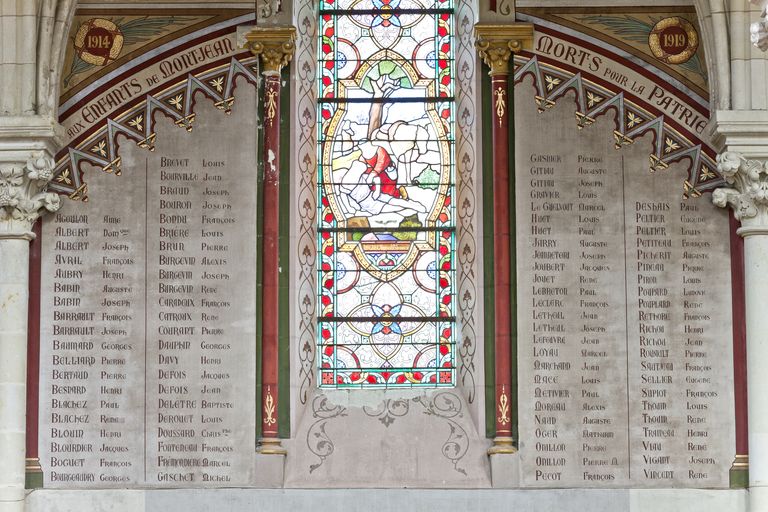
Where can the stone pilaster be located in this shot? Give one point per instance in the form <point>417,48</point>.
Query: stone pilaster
<point>27,147</point>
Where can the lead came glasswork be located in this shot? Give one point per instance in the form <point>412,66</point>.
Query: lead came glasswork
<point>385,186</point>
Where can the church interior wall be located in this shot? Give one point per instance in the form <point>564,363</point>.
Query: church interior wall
<point>151,384</point>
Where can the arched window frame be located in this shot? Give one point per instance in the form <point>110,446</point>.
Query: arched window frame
<point>470,379</point>
<point>386,215</point>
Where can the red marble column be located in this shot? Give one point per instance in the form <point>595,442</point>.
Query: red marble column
<point>274,45</point>
<point>501,258</point>
<point>496,45</point>
<point>741,461</point>
<point>33,469</point>
<point>270,261</point>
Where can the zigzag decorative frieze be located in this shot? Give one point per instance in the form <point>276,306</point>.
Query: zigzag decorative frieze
<point>137,123</point>
<point>631,121</point>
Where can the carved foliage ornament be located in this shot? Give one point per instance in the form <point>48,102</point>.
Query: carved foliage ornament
<point>23,191</point>
<point>275,46</point>
<point>495,55</point>
<point>497,43</point>
<point>748,191</point>
<point>758,31</point>
<point>758,34</point>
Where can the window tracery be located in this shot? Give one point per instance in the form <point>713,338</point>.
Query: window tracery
<point>385,193</point>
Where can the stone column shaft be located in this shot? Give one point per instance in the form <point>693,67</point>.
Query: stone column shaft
<point>26,147</point>
<point>14,297</point>
<point>756,300</point>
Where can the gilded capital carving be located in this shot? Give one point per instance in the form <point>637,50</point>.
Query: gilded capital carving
<point>275,46</point>
<point>497,43</point>
<point>24,195</point>
<point>748,191</point>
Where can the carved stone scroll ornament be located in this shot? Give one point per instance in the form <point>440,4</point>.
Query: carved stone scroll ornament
<point>389,410</point>
<point>447,405</point>
<point>24,196</point>
<point>748,191</point>
<point>318,440</point>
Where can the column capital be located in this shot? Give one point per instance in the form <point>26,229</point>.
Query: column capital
<point>747,194</point>
<point>27,147</point>
<point>496,43</point>
<point>741,136</point>
<point>275,45</point>
<point>24,197</point>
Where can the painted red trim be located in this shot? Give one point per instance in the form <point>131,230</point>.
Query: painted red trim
<point>33,343</point>
<point>739,338</point>
<point>271,256</point>
<point>501,254</point>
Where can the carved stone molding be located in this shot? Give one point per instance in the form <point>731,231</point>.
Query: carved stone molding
<point>748,191</point>
<point>24,195</point>
<point>275,46</point>
<point>497,43</point>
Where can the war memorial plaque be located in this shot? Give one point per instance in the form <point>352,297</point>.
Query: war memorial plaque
<point>624,312</point>
<point>148,315</point>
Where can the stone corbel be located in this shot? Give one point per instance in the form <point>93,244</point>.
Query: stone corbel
<point>497,43</point>
<point>275,46</point>
<point>24,196</point>
<point>748,191</point>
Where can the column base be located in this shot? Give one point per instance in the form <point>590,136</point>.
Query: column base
<point>505,464</point>
<point>11,506</point>
<point>502,445</point>
<point>739,472</point>
<point>270,446</point>
<point>33,474</point>
<point>270,470</point>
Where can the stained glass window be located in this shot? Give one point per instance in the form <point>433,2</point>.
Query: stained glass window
<point>385,193</point>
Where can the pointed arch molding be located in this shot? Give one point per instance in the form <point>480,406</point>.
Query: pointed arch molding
<point>204,66</point>
<point>601,80</point>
